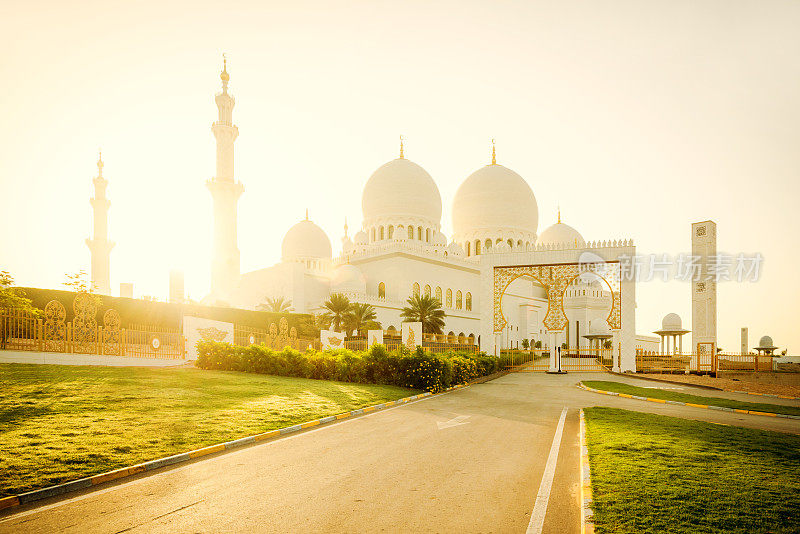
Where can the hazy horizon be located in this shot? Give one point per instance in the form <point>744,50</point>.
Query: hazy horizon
<point>636,118</point>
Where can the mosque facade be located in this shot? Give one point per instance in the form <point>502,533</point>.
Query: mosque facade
<point>400,250</point>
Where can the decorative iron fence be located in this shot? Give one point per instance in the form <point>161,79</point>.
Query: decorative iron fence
<point>23,331</point>
<point>703,362</point>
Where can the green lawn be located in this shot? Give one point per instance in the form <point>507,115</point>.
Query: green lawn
<point>619,387</point>
<point>658,474</point>
<point>59,423</point>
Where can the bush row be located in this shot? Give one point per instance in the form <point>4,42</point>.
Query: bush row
<point>418,369</point>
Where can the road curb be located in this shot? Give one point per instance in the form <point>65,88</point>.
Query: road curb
<point>587,516</point>
<point>679,403</point>
<point>124,472</point>
<point>770,395</point>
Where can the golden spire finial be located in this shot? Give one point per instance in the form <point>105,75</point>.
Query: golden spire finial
<point>402,155</point>
<point>100,162</point>
<point>306,213</point>
<point>494,154</point>
<point>224,76</point>
<point>345,226</point>
<point>559,213</point>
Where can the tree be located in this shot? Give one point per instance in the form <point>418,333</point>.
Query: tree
<point>526,344</point>
<point>337,311</point>
<point>362,317</point>
<point>310,325</point>
<point>426,310</point>
<point>79,283</point>
<point>276,305</point>
<point>13,298</point>
<point>537,345</point>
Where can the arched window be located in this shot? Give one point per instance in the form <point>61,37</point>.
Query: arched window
<point>373,234</point>
<point>477,248</point>
<point>427,290</point>
<point>427,235</point>
<point>411,232</point>
<point>519,243</point>
<point>391,231</point>
<point>468,302</point>
<point>488,244</point>
<point>382,290</point>
<point>458,299</point>
<point>382,237</point>
<point>449,297</point>
<point>467,247</point>
<point>439,294</point>
<point>392,331</point>
<point>416,289</point>
<point>419,233</point>
<point>510,242</point>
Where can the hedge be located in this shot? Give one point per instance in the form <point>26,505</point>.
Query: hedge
<point>165,314</point>
<point>418,369</point>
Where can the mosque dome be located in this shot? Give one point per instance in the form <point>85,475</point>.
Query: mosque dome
<point>348,279</point>
<point>561,234</point>
<point>305,240</point>
<point>401,188</point>
<point>494,199</point>
<point>360,238</point>
<point>671,321</point>
<point>765,342</point>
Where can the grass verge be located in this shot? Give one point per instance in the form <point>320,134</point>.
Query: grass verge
<point>60,423</point>
<point>658,474</point>
<point>618,387</point>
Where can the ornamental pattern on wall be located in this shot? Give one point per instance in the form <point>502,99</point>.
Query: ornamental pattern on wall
<point>555,279</point>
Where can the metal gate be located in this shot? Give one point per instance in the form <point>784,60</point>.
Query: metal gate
<point>579,359</point>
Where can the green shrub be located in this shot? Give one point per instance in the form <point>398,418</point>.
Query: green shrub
<point>418,369</point>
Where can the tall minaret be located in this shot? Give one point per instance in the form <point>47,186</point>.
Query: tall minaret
<point>226,193</point>
<point>99,244</point>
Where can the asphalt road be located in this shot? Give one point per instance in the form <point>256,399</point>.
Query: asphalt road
<point>468,461</point>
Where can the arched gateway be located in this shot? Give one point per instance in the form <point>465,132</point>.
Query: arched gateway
<point>555,272</point>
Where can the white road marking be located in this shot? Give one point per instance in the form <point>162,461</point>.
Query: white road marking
<point>455,421</point>
<point>540,507</point>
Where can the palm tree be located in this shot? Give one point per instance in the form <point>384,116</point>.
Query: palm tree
<point>426,310</point>
<point>276,305</point>
<point>362,317</point>
<point>337,311</point>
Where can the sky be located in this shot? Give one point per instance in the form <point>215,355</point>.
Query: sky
<point>636,117</point>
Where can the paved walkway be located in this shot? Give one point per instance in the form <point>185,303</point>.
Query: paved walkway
<point>468,461</point>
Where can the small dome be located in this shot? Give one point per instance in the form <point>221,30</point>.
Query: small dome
<point>494,198</point>
<point>765,342</point>
<point>440,239</point>
<point>599,327</point>
<point>561,234</point>
<point>348,278</point>
<point>305,240</point>
<point>401,188</point>
<point>671,321</point>
<point>360,238</point>
<point>454,249</point>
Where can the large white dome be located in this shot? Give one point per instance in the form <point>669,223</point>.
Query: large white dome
<point>561,234</point>
<point>401,188</point>
<point>494,198</point>
<point>305,240</point>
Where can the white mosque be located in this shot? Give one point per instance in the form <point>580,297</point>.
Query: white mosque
<point>400,249</point>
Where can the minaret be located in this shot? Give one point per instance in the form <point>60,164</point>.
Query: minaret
<point>226,193</point>
<point>99,245</point>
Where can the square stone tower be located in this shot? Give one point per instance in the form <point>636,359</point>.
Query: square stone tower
<point>704,287</point>
<point>745,348</point>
